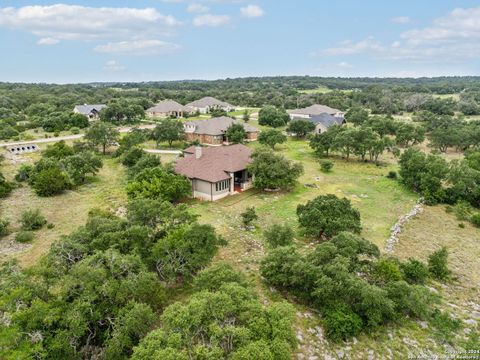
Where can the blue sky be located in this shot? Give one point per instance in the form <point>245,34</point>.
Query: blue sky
<point>143,40</point>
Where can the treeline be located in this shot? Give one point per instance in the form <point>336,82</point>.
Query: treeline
<point>28,106</point>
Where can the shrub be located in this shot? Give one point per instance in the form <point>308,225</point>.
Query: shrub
<point>50,226</point>
<point>327,215</point>
<point>326,165</point>
<point>438,264</point>
<point>475,219</point>
<point>392,174</point>
<point>75,130</point>
<point>4,227</point>
<point>462,210</point>
<point>444,324</point>
<point>50,181</point>
<point>249,216</point>
<point>278,235</point>
<point>387,270</point>
<point>414,271</point>
<point>6,187</point>
<point>132,156</point>
<point>24,237</point>
<point>342,323</point>
<point>24,172</point>
<point>33,220</point>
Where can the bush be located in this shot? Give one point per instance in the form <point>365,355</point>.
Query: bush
<point>414,271</point>
<point>249,216</point>
<point>24,172</point>
<point>50,226</point>
<point>387,270</point>
<point>437,264</point>
<point>24,237</point>
<point>462,210</point>
<point>32,220</point>
<point>342,323</point>
<point>6,187</point>
<point>75,130</point>
<point>279,235</point>
<point>132,156</point>
<point>4,227</point>
<point>475,219</point>
<point>327,215</point>
<point>50,181</point>
<point>392,174</point>
<point>326,165</point>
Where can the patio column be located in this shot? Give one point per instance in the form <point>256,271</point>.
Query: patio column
<point>232,184</point>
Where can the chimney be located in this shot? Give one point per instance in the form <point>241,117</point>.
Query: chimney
<point>198,152</point>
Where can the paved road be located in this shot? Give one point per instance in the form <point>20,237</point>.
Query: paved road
<point>167,152</point>
<point>66,137</point>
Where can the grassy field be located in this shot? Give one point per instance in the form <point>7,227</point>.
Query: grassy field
<point>67,211</point>
<point>381,202</point>
<point>319,90</point>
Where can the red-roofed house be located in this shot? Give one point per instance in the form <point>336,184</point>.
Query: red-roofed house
<point>216,172</point>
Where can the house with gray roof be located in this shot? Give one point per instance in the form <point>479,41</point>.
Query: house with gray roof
<point>168,108</point>
<point>216,172</point>
<point>90,111</point>
<point>315,110</point>
<point>206,104</point>
<point>212,131</point>
<point>323,121</point>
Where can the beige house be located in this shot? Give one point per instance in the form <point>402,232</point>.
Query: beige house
<point>168,108</point>
<point>206,104</point>
<point>212,131</point>
<point>322,122</point>
<point>216,172</point>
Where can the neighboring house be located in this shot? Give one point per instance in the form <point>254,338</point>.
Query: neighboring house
<point>315,110</point>
<point>206,104</point>
<point>323,122</point>
<point>212,131</point>
<point>168,108</point>
<point>90,111</point>
<point>216,172</point>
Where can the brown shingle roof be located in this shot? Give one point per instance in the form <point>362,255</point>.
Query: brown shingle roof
<point>215,162</point>
<point>217,126</point>
<point>167,106</point>
<point>209,101</point>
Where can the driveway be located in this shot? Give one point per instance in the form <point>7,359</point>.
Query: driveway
<point>69,137</point>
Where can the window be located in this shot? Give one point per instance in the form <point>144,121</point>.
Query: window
<point>222,185</point>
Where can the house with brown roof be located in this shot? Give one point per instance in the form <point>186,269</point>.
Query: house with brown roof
<point>315,110</point>
<point>168,108</point>
<point>216,172</point>
<point>212,131</point>
<point>208,103</point>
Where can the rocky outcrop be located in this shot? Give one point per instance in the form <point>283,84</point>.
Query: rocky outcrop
<point>397,228</point>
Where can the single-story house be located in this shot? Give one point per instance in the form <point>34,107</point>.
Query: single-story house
<point>90,111</point>
<point>168,108</point>
<point>212,131</point>
<point>323,122</point>
<point>216,172</point>
<point>315,110</point>
<point>206,104</point>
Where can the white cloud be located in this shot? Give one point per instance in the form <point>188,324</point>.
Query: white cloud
<point>344,65</point>
<point>251,11</point>
<point>197,8</point>
<point>451,39</point>
<point>114,66</point>
<point>138,47</point>
<point>62,22</point>
<point>401,20</point>
<point>350,48</point>
<point>211,20</point>
<point>48,41</point>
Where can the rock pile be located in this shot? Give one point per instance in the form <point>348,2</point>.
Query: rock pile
<point>397,228</point>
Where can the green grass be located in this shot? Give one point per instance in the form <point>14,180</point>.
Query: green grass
<point>319,90</point>
<point>66,211</point>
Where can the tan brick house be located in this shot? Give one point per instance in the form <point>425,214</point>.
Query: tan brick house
<point>212,131</point>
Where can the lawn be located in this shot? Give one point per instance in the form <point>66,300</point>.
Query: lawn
<point>67,211</point>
